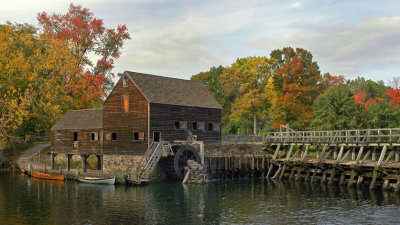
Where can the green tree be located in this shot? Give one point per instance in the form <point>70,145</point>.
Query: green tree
<point>336,109</point>
<point>212,80</point>
<point>381,114</point>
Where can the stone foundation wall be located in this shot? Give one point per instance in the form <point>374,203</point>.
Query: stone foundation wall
<point>125,164</point>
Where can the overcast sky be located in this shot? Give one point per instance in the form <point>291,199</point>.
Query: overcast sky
<point>182,38</point>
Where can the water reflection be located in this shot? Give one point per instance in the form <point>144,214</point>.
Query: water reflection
<point>24,200</point>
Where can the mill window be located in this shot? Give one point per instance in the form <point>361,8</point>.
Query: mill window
<point>138,136</point>
<point>75,136</point>
<point>94,136</point>
<point>216,126</point>
<point>201,125</point>
<point>124,82</point>
<point>210,126</point>
<point>108,136</point>
<point>125,104</point>
<point>58,137</point>
<point>113,136</point>
<point>180,125</point>
<point>195,126</point>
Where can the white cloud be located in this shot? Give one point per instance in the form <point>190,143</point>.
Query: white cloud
<point>345,48</point>
<point>296,5</point>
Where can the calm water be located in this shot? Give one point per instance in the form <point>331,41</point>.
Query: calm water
<point>27,201</point>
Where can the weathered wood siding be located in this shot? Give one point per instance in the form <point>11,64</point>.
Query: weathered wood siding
<point>163,118</point>
<point>85,144</point>
<point>115,121</point>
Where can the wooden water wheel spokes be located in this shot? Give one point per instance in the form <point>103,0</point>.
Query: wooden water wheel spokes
<point>184,154</point>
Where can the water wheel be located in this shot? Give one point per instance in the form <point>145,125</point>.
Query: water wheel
<point>174,165</point>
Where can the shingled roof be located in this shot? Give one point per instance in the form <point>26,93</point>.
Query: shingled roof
<point>165,90</point>
<point>85,119</point>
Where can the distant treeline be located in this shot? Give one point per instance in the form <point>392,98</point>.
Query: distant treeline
<point>288,88</point>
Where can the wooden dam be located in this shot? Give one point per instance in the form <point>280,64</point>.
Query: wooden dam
<point>347,157</point>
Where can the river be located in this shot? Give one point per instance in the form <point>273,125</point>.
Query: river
<point>24,200</point>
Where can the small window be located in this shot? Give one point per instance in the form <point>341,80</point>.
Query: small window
<point>125,104</point>
<point>138,136</point>
<point>195,126</point>
<point>94,136</point>
<point>201,125</point>
<point>108,136</point>
<point>217,127</point>
<point>58,137</point>
<point>124,82</point>
<point>210,126</point>
<point>180,125</point>
<point>113,136</point>
<point>75,136</point>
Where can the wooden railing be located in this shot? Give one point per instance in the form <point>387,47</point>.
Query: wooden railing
<point>231,139</point>
<point>384,135</point>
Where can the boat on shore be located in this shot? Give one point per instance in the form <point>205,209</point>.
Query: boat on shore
<point>97,180</point>
<point>48,176</point>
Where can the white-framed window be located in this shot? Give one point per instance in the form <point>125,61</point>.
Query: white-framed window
<point>217,127</point>
<point>201,125</point>
<point>94,136</point>
<point>213,126</point>
<point>108,136</point>
<point>138,136</point>
<point>180,125</point>
<point>58,136</point>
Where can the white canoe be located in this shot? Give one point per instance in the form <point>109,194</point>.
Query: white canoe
<point>97,180</point>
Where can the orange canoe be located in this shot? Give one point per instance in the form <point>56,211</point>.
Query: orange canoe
<point>48,176</point>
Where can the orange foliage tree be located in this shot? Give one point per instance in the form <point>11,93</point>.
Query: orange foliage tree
<point>86,35</point>
<point>298,82</point>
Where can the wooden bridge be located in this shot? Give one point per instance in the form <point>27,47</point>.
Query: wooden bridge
<point>348,157</point>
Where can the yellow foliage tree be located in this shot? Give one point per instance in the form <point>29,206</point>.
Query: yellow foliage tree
<point>35,70</point>
<point>250,81</point>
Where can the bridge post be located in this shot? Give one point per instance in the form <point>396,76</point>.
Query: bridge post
<point>286,160</point>
<point>271,165</point>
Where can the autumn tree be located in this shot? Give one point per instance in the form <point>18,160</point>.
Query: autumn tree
<point>249,81</point>
<point>298,82</point>
<point>87,37</point>
<point>336,109</point>
<point>34,69</point>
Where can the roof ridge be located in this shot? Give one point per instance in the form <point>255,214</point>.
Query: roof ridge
<point>162,76</point>
<point>84,109</point>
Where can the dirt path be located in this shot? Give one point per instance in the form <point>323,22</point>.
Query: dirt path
<point>26,157</point>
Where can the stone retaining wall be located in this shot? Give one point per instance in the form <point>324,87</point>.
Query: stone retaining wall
<point>115,164</point>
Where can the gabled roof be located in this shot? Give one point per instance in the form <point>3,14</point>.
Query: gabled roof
<point>85,119</point>
<point>165,90</point>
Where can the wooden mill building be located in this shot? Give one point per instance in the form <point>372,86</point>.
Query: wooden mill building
<point>141,108</point>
